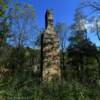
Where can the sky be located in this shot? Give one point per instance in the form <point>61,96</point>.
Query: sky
<point>63,11</point>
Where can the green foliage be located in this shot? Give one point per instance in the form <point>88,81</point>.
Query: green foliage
<point>4,28</point>
<point>19,80</point>
<point>71,90</point>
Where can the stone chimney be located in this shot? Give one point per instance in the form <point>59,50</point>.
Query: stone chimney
<point>49,19</point>
<point>50,59</point>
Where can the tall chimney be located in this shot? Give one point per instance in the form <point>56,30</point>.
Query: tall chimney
<point>50,59</point>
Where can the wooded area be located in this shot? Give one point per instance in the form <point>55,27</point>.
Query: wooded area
<point>20,55</point>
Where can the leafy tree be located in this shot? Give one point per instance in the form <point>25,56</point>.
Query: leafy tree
<point>81,49</point>
<point>81,54</point>
<point>4,25</point>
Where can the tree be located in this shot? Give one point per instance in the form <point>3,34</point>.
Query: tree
<point>4,25</point>
<point>62,32</point>
<point>4,29</point>
<point>81,49</point>
<point>96,26</point>
<point>79,25</point>
<point>23,25</point>
<point>93,4</point>
<point>82,53</point>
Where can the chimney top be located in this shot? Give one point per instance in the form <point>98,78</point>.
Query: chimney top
<point>49,19</point>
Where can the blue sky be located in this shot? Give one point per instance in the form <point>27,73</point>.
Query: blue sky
<point>63,11</point>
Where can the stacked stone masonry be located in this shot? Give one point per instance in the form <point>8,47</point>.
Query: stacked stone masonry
<point>50,50</point>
